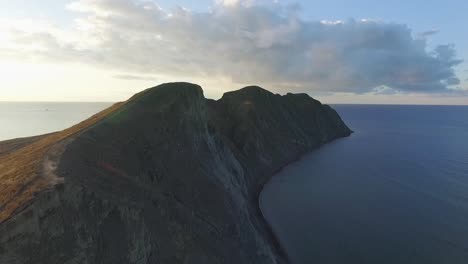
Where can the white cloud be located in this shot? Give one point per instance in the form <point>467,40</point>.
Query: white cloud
<point>428,33</point>
<point>246,41</point>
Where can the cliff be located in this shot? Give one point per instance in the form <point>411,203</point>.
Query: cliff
<point>166,177</point>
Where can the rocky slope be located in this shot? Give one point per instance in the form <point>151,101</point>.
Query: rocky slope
<point>167,177</point>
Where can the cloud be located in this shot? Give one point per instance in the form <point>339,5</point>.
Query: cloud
<point>134,77</point>
<point>428,33</point>
<point>248,42</point>
<point>383,90</point>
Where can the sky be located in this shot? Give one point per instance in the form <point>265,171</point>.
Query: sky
<point>338,51</point>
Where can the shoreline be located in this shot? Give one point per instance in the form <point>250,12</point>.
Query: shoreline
<point>275,240</point>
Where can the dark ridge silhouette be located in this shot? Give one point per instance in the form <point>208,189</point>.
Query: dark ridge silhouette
<point>166,177</point>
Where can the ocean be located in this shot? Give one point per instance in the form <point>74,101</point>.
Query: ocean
<point>395,191</point>
<point>32,119</point>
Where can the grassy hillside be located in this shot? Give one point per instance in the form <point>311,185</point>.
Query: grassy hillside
<point>21,161</point>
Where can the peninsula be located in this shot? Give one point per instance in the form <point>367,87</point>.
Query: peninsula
<point>165,177</point>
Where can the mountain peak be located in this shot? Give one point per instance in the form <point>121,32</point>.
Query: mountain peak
<point>172,89</point>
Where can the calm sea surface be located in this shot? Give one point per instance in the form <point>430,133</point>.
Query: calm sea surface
<point>396,191</point>
<point>30,119</point>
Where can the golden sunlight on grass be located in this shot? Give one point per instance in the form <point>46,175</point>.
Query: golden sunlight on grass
<point>20,168</point>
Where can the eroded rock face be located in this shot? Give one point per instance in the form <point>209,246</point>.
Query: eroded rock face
<point>171,178</point>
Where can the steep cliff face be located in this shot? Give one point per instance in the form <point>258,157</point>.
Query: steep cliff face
<point>169,177</point>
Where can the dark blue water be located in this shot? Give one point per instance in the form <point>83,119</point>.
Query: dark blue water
<point>31,119</point>
<point>396,191</point>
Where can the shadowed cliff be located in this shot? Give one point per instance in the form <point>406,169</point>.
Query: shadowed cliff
<point>166,177</point>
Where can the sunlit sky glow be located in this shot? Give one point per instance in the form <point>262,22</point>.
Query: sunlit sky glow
<point>338,51</point>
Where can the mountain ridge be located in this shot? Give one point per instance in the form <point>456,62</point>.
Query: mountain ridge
<point>168,176</point>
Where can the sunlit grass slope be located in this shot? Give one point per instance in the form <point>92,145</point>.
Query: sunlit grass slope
<point>21,161</point>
